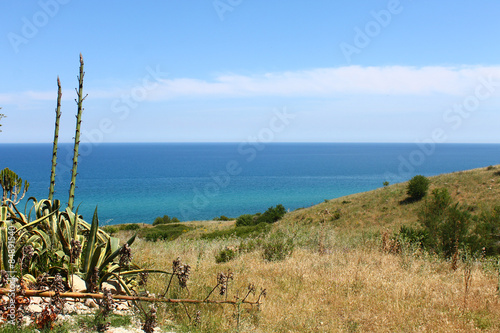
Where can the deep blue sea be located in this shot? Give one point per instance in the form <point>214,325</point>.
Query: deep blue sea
<point>199,181</point>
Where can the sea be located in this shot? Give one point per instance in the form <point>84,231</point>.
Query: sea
<point>137,182</point>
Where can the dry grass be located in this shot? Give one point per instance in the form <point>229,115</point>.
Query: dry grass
<point>353,286</point>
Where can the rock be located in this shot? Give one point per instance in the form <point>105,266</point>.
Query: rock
<point>112,286</point>
<point>69,308</point>
<point>35,300</point>
<point>122,306</point>
<point>90,304</point>
<point>34,308</point>
<point>78,285</point>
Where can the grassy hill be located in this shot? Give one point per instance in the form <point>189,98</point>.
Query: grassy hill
<point>335,275</point>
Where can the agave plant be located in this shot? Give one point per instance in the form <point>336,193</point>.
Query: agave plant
<point>62,242</point>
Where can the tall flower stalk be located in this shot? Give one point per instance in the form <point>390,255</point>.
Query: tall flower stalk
<point>79,102</point>
<point>56,139</point>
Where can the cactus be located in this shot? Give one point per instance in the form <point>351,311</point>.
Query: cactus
<point>12,186</point>
<point>56,139</point>
<point>79,102</point>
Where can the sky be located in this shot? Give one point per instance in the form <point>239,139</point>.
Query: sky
<point>260,70</point>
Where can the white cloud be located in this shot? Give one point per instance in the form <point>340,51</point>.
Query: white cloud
<point>321,82</point>
<point>331,82</point>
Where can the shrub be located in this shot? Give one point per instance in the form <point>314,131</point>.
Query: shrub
<point>164,232</point>
<point>417,187</point>
<point>488,231</point>
<point>222,218</point>
<point>386,183</point>
<point>244,220</point>
<point>165,220</point>
<point>130,226</point>
<point>226,255</point>
<point>277,248</point>
<point>110,229</point>
<point>272,214</point>
<point>162,220</point>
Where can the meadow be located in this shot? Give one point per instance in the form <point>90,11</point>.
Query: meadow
<point>339,272</point>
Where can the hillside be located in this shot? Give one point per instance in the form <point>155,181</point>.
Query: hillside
<point>335,276</point>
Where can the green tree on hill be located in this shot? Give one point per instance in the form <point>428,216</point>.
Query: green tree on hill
<point>417,187</point>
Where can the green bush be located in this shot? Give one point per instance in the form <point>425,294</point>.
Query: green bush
<point>272,214</point>
<point>245,220</point>
<point>165,220</point>
<point>277,248</point>
<point>417,187</point>
<point>446,226</point>
<point>164,232</point>
<point>225,255</point>
<point>110,229</point>
<point>161,220</point>
<point>488,231</point>
<point>130,226</point>
<point>222,218</point>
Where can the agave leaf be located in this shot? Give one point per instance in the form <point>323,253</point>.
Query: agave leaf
<point>3,213</point>
<point>115,254</point>
<point>62,239</point>
<point>112,245</point>
<point>35,222</point>
<point>91,243</point>
<point>74,224</point>
<point>127,290</point>
<point>29,278</point>
<point>44,237</point>
<point>5,254</point>
<point>96,259</point>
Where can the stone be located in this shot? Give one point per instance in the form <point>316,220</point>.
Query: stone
<point>35,300</point>
<point>122,306</point>
<point>112,286</point>
<point>78,285</point>
<point>34,308</point>
<point>90,304</point>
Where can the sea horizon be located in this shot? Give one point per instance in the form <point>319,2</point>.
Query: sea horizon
<point>136,182</point>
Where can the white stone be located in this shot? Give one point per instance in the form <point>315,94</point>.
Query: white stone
<point>112,286</point>
<point>35,300</point>
<point>90,304</point>
<point>34,308</point>
<point>78,285</point>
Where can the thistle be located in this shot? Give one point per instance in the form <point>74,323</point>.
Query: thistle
<point>126,255</point>
<point>56,139</point>
<point>182,272</point>
<point>79,102</point>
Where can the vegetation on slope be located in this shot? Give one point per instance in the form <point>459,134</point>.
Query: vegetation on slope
<point>340,272</point>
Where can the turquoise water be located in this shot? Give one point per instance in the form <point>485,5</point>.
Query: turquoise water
<point>196,181</point>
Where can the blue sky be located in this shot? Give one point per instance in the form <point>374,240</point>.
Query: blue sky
<point>241,70</point>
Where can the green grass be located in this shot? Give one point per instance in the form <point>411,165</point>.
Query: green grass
<point>164,232</point>
<point>240,232</point>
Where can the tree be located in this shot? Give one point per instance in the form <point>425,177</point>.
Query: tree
<point>417,187</point>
